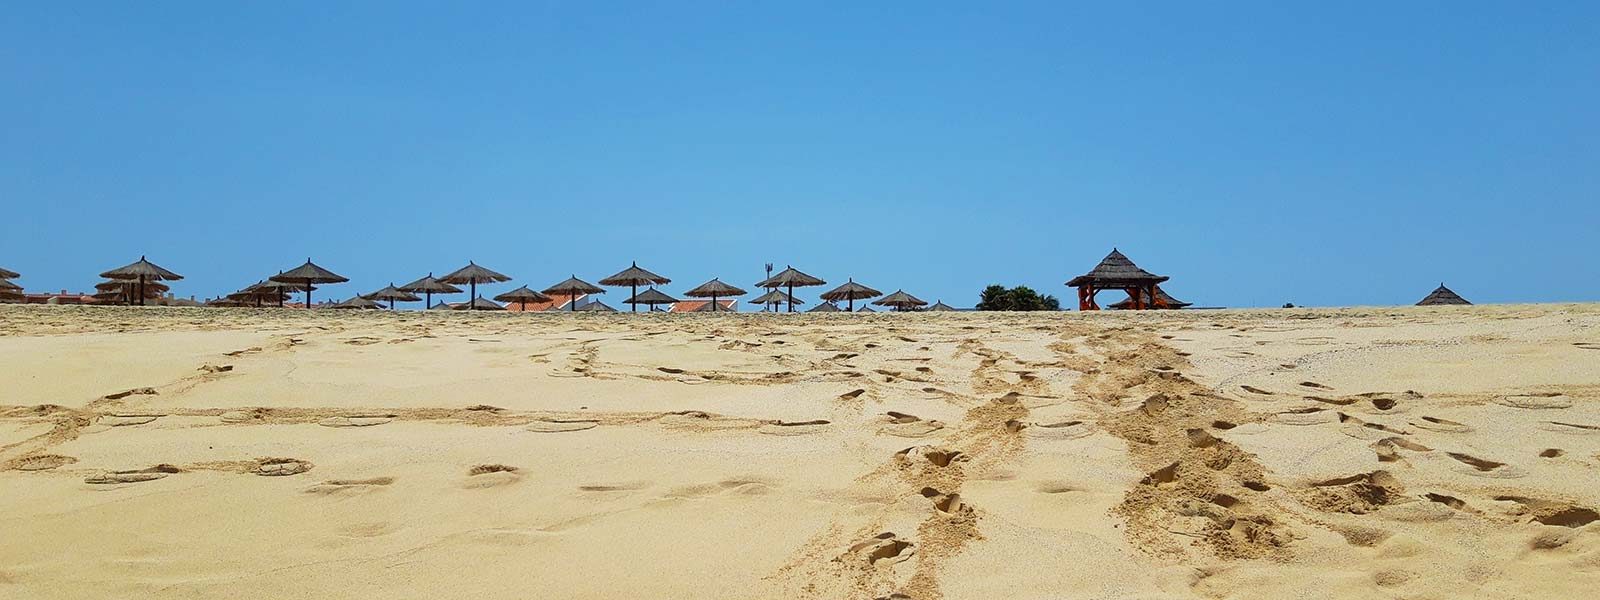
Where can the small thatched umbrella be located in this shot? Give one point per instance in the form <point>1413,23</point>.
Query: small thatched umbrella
<point>523,296</point>
<point>940,306</point>
<point>790,278</point>
<point>428,286</point>
<point>1443,296</point>
<point>479,303</point>
<point>307,274</point>
<point>651,297</point>
<point>901,301</point>
<point>472,275</point>
<point>571,288</point>
<point>9,274</point>
<point>633,277</point>
<point>774,298</point>
<point>10,291</point>
<point>442,305</point>
<point>142,271</point>
<point>714,289</point>
<point>825,307</point>
<point>597,306</point>
<point>7,284</point>
<point>865,309</point>
<point>358,303</point>
<point>850,292</point>
<point>125,291</point>
<point>392,295</point>
<point>254,293</point>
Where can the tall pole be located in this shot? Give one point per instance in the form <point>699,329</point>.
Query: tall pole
<point>634,305</point>
<point>308,292</point>
<point>472,297</point>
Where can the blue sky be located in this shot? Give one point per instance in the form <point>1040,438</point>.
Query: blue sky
<point>1257,153</point>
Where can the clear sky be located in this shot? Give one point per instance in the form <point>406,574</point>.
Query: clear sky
<point>1332,153</point>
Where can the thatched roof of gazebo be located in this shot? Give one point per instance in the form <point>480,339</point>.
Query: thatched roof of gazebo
<point>429,285</point>
<point>573,285</point>
<point>790,276</point>
<point>825,307</point>
<point>714,288</point>
<point>651,297</point>
<point>1115,269</point>
<point>850,291</point>
<point>474,273</point>
<point>522,295</point>
<point>901,300</point>
<point>775,297</point>
<point>392,294</point>
<point>940,306</point>
<point>1162,300</point>
<point>1443,296</point>
<point>143,268</point>
<point>308,272</point>
<point>122,284</point>
<point>634,275</point>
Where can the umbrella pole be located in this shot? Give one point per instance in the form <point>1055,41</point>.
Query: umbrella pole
<point>791,297</point>
<point>472,302</point>
<point>634,306</point>
<point>141,290</point>
<point>572,302</point>
<point>427,299</point>
<point>308,294</point>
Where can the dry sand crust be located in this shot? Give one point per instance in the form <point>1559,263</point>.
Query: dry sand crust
<point>1439,452</point>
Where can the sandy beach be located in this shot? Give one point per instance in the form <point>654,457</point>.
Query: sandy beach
<point>1418,452</point>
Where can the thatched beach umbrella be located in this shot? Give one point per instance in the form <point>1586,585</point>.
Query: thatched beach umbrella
<point>900,301</point>
<point>9,274</point>
<point>357,303</point>
<point>774,298</point>
<point>307,274</point>
<point>442,305</point>
<point>597,306</point>
<point>428,286</point>
<point>571,288</point>
<point>392,295</point>
<point>633,277</point>
<point>714,289</point>
<point>865,309</point>
<point>825,307</point>
<point>651,297</point>
<point>1443,296</point>
<point>790,278</point>
<point>479,303</point>
<point>523,296</point>
<point>472,275</point>
<point>1161,300</point>
<point>940,306</point>
<point>255,293</point>
<point>850,292</point>
<point>141,271</point>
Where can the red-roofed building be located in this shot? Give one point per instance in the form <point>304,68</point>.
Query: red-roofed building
<point>694,305</point>
<point>553,304</point>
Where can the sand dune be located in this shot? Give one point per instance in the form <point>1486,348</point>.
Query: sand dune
<point>217,453</point>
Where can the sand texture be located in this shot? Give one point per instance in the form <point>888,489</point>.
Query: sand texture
<point>1432,452</point>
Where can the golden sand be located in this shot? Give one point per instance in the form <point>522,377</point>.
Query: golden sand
<point>216,453</point>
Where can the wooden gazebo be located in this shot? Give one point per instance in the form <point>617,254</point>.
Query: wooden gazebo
<point>1443,296</point>
<point>1116,272</point>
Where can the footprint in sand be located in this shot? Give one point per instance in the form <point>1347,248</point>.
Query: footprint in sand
<point>42,462</point>
<point>934,455</point>
<point>789,428</point>
<point>1535,401</point>
<point>1255,390</point>
<point>492,475</point>
<point>703,421</point>
<point>1306,416</point>
<point>1572,428</point>
<point>144,391</point>
<point>946,503</point>
<point>137,476</point>
<point>356,421</point>
<point>1441,425</point>
<point>1554,512</point>
<point>280,467</point>
<point>349,487</point>
<point>1063,430</point>
<point>1479,467</point>
<point>1314,385</point>
<point>125,420</point>
<point>908,426</point>
<point>243,416</point>
<point>882,547</point>
<point>553,426</point>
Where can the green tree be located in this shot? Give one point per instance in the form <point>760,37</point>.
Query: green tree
<point>997,297</point>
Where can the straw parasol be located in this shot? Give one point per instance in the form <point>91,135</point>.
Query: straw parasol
<point>1161,300</point>
<point>141,271</point>
<point>650,297</point>
<point>428,286</point>
<point>357,303</point>
<point>571,288</point>
<point>901,301</point>
<point>392,295</point>
<point>472,275</point>
<point>307,274</point>
<point>1115,272</point>
<point>1443,296</point>
<point>825,307</point>
<point>9,274</point>
<point>790,278</point>
<point>523,296</point>
<point>775,298</point>
<point>714,289</point>
<point>261,290</point>
<point>865,309</point>
<point>479,303</point>
<point>633,277</point>
<point>940,306</point>
<point>597,306</point>
<point>442,305</point>
<point>850,292</point>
